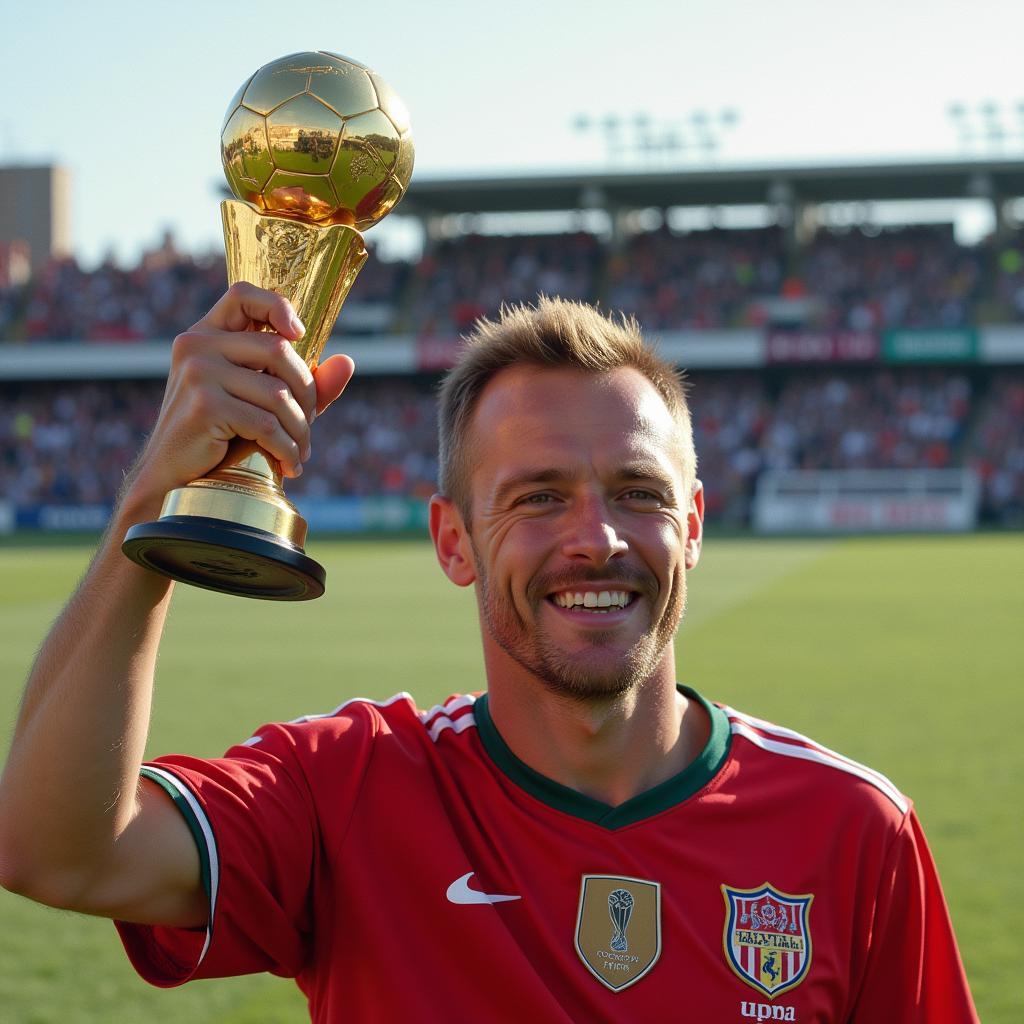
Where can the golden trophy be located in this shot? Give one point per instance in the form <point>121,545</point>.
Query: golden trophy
<point>316,147</point>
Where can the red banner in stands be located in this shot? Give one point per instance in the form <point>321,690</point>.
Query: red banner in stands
<point>822,347</point>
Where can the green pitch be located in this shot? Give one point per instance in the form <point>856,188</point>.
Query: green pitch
<point>904,653</point>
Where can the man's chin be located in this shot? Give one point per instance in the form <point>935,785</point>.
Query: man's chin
<point>594,674</point>
<point>587,689</point>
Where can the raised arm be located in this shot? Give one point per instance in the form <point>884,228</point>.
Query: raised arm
<point>78,829</point>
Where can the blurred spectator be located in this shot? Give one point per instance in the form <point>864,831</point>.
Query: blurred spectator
<point>1008,272</point>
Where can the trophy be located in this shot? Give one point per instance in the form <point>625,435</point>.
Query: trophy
<point>316,147</point>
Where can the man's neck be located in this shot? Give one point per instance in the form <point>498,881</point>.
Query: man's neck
<point>609,749</point>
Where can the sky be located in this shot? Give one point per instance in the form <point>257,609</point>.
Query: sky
<point>131,95</point>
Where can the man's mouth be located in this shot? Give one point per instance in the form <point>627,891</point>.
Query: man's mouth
<point>598,601</point>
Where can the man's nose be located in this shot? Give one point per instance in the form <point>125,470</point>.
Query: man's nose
<point>591,534</point>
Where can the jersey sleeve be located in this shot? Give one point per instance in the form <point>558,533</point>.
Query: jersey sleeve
<point>260,839</point>
<point>913,970</point>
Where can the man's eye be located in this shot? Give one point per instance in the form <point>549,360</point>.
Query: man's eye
<point>537,499</point>
<point>641,497</point>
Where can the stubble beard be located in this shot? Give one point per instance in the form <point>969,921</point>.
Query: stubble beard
<point>590,677</point>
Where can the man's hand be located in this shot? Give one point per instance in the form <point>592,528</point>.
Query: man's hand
<point>231,377</point>
<point>106,844</point>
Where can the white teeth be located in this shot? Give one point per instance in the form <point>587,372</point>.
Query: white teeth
<point>604,599</point>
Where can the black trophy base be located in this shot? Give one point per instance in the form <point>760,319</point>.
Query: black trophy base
<point>227,557</point>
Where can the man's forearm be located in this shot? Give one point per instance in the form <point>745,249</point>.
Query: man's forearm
<point>77,828</point>
<point>69,786</point>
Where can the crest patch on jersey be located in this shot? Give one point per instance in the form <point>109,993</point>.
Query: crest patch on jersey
<point>767,937</point>
<point>618,928</point>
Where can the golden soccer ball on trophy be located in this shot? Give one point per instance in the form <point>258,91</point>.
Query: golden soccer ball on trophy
<point>319,137</point>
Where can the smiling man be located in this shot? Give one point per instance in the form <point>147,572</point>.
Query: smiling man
<point>586,840</point>
<point>572,503</point>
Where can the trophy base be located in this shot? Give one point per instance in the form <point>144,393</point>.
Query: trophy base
<point>227,557</point>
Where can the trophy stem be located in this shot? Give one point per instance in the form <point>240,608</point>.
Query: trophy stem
<point>234,530</point>
<point>245,462</point>
<point>313,267</point>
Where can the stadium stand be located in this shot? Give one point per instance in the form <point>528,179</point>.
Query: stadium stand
<point>706,279</point>
<point>1008,273</point>
<point>462,279</point>
<point>996,451</point>
<point>882,420</point>
<point>912,277</point>
<point>840,350</point>
<point>69,443</point>
<point>917,277</point>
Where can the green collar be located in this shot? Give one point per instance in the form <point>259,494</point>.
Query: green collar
<point>663,796</point>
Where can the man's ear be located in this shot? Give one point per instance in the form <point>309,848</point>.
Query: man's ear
<point>695,526</point>
<point>451,541</point>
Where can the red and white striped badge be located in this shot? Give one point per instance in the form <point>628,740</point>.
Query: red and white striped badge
<point>767,937</point>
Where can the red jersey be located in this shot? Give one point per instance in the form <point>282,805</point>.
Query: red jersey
<point>407,866</point>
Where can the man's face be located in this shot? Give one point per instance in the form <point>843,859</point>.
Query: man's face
<point>582,526</point>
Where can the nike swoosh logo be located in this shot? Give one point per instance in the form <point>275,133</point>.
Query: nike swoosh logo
<point>460,892</point>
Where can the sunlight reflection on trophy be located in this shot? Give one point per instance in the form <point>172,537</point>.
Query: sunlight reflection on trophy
<point>317,148</point>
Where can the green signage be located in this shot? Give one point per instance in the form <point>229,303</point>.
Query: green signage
<point>931,345</point>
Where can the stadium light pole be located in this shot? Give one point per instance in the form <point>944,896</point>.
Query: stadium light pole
<point>986,125</point>
<point>700,132</point>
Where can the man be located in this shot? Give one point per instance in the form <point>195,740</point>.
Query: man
<point>586,841</point>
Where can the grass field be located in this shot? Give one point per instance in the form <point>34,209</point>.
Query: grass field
<point>904,653</point>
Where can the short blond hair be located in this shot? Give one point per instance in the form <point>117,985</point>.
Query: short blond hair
<point>555,333</point>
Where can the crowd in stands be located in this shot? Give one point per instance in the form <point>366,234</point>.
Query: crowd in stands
<point>917,277</point>
<point>1009,281</point>
<point>463,279</point>
<point>708,279</point>
<point>731,413</point>
<point>884,419</point>
<point>70,443</point>
<point>996,451</point>
<point>164,294</point>
<point>380,439</point>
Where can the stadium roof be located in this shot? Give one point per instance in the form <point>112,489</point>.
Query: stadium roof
<point>957,179</point>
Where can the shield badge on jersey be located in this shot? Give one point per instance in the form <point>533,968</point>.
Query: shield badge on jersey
<point>768,937</point>
<point>618,928</point>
